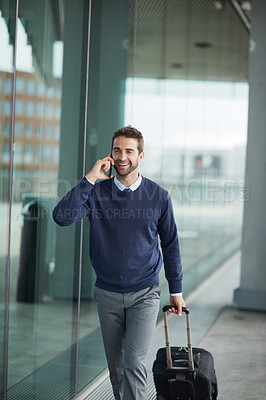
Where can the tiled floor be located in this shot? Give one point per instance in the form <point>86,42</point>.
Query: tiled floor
<point>237,341</point>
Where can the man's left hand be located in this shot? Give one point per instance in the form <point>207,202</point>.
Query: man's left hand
<point>179,302</point>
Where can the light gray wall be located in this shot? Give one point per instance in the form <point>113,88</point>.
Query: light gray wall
<point>252,291</point>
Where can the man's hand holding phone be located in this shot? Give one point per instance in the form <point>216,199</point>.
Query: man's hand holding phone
<point>100,169</point>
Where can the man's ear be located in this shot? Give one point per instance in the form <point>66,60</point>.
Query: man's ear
<point>141,155</point>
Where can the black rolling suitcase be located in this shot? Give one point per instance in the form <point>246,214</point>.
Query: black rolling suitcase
<point>184,373</point>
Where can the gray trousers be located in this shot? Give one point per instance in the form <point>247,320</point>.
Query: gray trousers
<point>127,323</point>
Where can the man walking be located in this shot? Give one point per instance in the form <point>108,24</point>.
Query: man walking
<point>127,213</point>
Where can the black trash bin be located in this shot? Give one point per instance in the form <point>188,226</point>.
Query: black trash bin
<point>31,277</point>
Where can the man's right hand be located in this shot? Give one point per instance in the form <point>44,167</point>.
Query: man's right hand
<point>99,169</point>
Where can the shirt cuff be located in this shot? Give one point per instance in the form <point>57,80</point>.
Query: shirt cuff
<point>93,183</point>
<point>176,294</point>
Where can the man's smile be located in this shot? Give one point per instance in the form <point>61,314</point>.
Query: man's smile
<point>120,164</point>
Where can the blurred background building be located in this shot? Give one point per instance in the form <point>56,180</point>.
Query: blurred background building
<point>185,73</point>
<point>37,128</point>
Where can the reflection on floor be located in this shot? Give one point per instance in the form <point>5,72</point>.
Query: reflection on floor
<point>60,378</point>
<point>40,332</point>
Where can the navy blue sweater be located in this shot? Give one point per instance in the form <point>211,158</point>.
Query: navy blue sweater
<point>124,229</point>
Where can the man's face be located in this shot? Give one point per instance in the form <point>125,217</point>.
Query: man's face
<point>126,155</point>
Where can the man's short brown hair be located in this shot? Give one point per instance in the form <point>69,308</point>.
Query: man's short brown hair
<point>130,132</point>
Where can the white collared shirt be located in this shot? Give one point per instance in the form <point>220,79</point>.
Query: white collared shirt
<point>132,187</point>
<point>120,185</point>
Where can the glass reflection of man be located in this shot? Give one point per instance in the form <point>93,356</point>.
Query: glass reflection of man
<point>127,212</point>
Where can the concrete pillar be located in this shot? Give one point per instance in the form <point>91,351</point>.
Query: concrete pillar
<point>252,291</point>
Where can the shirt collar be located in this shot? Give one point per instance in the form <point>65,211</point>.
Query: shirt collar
<point>133,187</point>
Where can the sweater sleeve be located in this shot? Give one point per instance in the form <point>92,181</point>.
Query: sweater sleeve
<point>74,206</point>
<point>170,247</point>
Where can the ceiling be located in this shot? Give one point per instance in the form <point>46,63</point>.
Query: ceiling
<point>175,39</point>
<point>189,39</point>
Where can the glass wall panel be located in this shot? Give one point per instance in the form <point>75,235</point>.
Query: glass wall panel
<point>199,160</point>
<point>6,100</point>
<point>43,306</point>
<point>188,95</point>
<point>175,71</point>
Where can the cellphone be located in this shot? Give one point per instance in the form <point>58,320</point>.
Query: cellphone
<point>110,170</point>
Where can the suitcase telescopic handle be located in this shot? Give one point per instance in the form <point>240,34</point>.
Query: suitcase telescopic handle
<point>167,342</point>
<point>184,309</point>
